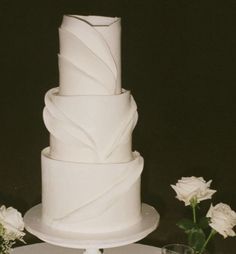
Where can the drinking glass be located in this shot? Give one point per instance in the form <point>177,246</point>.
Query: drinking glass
<point>177,249</point>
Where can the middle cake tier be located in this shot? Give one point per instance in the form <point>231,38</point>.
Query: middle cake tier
<point>90,128</point>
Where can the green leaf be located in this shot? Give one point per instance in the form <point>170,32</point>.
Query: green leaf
<point>185,224</point>
<point>196,238</point>
<point>203,222</point>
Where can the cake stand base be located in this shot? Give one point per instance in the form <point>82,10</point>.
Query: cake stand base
<point>46,248</point>
<point>92,251</point>
<point>35,225</point>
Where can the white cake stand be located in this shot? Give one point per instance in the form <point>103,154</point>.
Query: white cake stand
<point>91,242</point>
<point>45,248</point>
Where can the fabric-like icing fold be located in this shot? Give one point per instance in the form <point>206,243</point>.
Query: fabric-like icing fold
<point>90,175</point>
<point>111,183</point>
<point>100,60</point>
<point>87,121</point>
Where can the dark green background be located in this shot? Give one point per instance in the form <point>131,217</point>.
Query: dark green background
<point>179,60</point>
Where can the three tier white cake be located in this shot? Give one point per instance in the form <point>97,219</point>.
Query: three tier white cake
<point>90,174</point>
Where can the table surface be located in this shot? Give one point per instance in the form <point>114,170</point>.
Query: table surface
<point>45,248</point>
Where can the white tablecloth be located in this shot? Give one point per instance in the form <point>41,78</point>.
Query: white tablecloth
<point>44,248</point>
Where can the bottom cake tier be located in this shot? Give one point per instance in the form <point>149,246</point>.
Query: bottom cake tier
<point>90,198</point>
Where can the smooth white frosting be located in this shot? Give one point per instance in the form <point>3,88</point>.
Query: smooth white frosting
<point>90,176</point>
<point>90,128</point>
<point>90,52</point>
<point>89,197</point>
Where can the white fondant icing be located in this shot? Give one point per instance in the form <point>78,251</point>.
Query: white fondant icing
<point>90,176</point>
<point>90,128</point>
<point>77,81</point>
<point>90,197</point>
<point>93,49</point>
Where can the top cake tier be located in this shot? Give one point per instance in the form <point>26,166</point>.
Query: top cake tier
<point>89,59</point>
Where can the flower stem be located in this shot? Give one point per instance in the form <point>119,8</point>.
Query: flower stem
<point>212,233</point>
<point>193,205</point>
<point>194,214</point>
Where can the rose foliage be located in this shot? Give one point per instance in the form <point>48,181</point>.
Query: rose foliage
<point>219,218</point>
<point>11,228</point>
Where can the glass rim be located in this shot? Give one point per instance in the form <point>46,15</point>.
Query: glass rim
<point>177,244</point>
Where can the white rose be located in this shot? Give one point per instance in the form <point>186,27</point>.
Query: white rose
<point>13,223</point>
<point>189,188</point>
<point>222,219</point>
